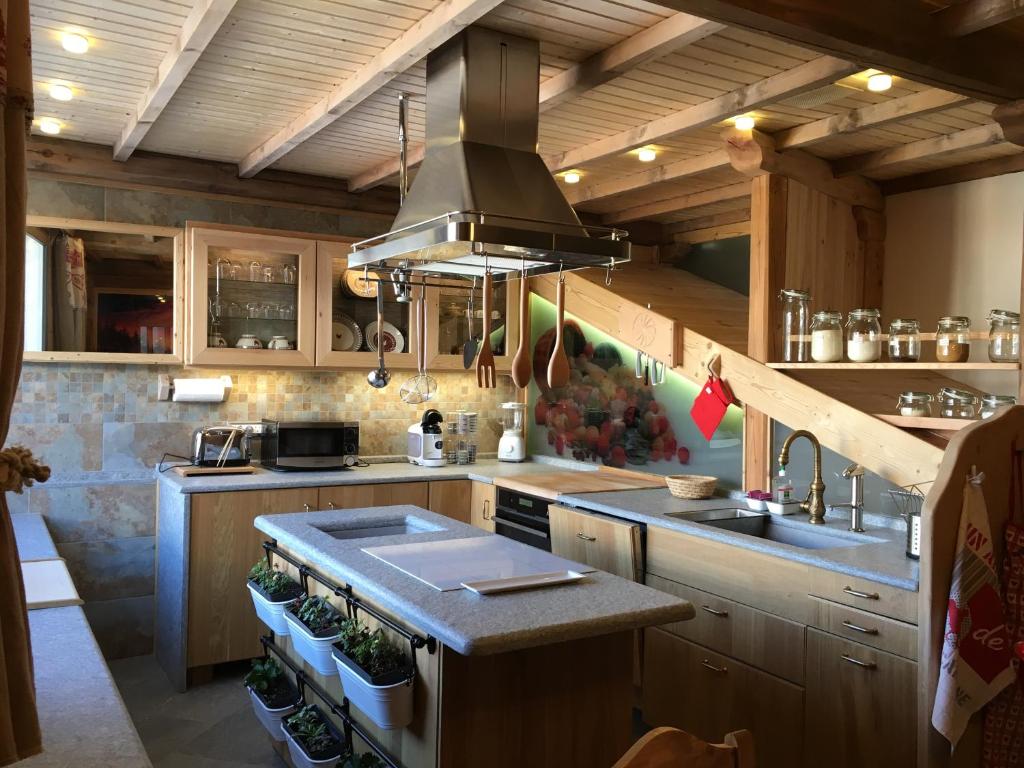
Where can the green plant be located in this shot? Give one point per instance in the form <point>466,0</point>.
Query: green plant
<point>319,615</point>
<point>309,727</point>
<point>370,650</point>
<point>268,680</point>
<point>271,580</point>
<point>365,760</point>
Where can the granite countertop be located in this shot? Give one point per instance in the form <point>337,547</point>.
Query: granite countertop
<point>882,558</point>
<point>33,539</point>
<point>465,622</point>
<point>384,472</point>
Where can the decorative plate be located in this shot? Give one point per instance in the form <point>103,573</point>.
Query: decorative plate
<point>353,284</point>
<point>347,335</point>
<point>394,341</point>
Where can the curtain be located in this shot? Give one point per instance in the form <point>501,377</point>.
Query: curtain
<point>19,724</point>
<point>68,297</point>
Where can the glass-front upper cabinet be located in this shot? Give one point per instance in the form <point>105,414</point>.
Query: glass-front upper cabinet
<point>453,317</point>
<point>252,298</point>
<point>347,332</point>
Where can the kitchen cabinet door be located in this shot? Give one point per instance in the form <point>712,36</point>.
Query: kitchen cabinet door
<point>452,498</point>
<point>602,542</point>
<point>373,495</point>
<point>484,497</point>
<point>707,694</point>
<point>223,545</point>
<point>861,705</point>
<point>448,326</point>
<point>253,284</point>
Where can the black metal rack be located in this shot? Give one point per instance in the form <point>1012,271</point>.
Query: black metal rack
<point>341,710</point>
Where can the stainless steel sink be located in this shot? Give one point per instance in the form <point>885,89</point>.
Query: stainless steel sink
<point>399,526</point>
<point>764,526</point>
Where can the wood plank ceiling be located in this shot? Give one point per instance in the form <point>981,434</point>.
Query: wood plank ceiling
<point>263,73</point>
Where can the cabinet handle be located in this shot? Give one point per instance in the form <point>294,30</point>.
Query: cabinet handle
<point>858,662</point>
<point>855,628</point>
<point>583,536</point>
<point>487,509</point>
<point>858,593</point>
<point>719,670</point>
<point>713,612</point>
<point>306,508</point>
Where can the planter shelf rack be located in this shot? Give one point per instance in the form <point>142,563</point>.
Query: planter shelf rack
<point>340,709</point>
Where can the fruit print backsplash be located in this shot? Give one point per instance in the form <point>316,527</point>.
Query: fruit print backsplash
<point>607,415</point>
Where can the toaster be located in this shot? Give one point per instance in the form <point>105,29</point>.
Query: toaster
<point>426,443</point>
<point>220,447</point>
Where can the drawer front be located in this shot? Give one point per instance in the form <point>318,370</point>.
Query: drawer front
<point>773,584</point>
<point>602,542</point>
<point>765,641</point>
<point>709,694</point>
<point>871,629</point>
<point>870,596</point>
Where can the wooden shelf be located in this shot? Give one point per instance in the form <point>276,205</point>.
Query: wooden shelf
<point>883,366</point>
<point>931,423</point>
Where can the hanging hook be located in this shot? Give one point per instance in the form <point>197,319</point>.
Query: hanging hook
<point>714,367</point>
<point>561,277</point>
<point>608,274</point>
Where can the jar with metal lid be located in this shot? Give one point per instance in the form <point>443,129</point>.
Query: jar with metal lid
<point>957,403</point>
<point>827,336</point>
<point>953,340</point>
<point>914,404</point>
<point>1003,336</point>
<point>992,403</point>
<point>904,341</point>
<point>796,339</point>
<point>863,336</point>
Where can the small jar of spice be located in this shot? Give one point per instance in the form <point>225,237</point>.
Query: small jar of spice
<point>992,403</point>
<point>827,336</point>
<point>914,404</point>
<point>953,340</point>
<point>1003,336</point>
<point>957,403</point>
<point>863,336</point>
<point>904,341</point>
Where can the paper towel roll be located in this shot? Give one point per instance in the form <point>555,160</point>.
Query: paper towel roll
<point>202,390</point>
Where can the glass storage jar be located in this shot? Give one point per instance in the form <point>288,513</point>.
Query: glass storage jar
<point>827,336</point>
<point>863,336</point>
<point>991,403</point>
<point>904,341</point>
<point>796,340</point>
<point>953,340</point>
<point>914,404</point>
<point>1003,336</point>
<point>957,403</point>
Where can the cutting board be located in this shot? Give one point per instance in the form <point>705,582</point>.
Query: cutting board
<point>48,584</point>
<point>548,485</point>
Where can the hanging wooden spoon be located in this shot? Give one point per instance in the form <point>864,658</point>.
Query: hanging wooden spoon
<point>522,366</point>
<point>558,365</point>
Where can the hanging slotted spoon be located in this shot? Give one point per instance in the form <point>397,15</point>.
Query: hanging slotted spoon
<point>421,387</point>
<point>469,351</point>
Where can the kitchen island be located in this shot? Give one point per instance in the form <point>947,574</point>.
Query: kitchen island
<point>540,677</point>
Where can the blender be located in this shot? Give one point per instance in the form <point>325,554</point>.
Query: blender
<point>512,445</point>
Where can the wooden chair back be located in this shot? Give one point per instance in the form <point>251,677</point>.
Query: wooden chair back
<point>672,748</point>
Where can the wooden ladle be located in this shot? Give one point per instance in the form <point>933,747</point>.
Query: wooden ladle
<point>522,366</point>
<point>558,365</point>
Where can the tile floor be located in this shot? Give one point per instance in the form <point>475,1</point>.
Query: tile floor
<point>210,726</point>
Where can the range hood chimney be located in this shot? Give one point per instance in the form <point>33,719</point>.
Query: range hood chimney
<point>483,199</point>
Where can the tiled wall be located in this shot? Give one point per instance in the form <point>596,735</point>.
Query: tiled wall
<point>101,429</point>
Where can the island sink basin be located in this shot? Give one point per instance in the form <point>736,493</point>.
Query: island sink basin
<point>761,525</point>
<point>399,526</point>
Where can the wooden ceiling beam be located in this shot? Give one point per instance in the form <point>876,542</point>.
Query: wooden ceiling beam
<point>972,16</point>
<point>1010,117</point>
<point>982,169</point>
<point>805,77</point>
<point>972,138</point>
<point>666,36</point>
<point>199,28</point>
<point>442,23</point>
<point>899,37</point>
<point>679,203</point>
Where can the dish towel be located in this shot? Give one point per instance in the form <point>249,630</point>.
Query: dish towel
<point>976,655</point>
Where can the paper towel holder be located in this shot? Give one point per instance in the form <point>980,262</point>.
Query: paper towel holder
<point>165,387</point>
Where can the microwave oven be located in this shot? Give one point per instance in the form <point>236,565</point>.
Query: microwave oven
<point>309,446</point>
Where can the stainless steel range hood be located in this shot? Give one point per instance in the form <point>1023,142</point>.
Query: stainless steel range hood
<point>483,199</point>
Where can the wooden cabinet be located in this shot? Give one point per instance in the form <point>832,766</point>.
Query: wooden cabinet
<point>223,545</point>
<point>372,495</point>
<point>864,595</point>
<point>451,498</point>
<point>484,497</point>
<point>602,542</point>
<point>861,705</point>
<point>691,687</point>
<point>448,327</point>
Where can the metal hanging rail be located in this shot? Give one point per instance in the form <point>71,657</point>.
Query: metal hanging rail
<point>342,710</point>
<point>354,603</point>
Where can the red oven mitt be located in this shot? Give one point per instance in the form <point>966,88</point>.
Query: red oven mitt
<point>710,405</point>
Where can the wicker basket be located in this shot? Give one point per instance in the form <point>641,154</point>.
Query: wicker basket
<point>691,486</point>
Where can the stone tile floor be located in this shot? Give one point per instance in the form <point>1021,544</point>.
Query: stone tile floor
<point>209,726</point>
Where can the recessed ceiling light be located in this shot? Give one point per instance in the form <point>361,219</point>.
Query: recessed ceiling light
<point>879,82</point>
<point>49,126</point>
<point>744,122</point>
<point>60,92</point>
<point>646,155</point>
<point>572,177</point>
<point>74,42</point>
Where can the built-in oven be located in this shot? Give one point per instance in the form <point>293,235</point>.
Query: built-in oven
<point>523,518</point>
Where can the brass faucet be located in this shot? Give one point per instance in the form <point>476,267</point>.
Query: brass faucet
<point>814,504</point>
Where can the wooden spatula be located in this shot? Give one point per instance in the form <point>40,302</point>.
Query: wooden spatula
<point>522,366</point>
<point>558,365</point>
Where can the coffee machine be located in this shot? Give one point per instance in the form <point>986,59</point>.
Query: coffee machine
<point>426,443</point>
<point>512,445</point>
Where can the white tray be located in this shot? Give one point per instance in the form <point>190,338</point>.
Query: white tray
<point>495,586</point>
